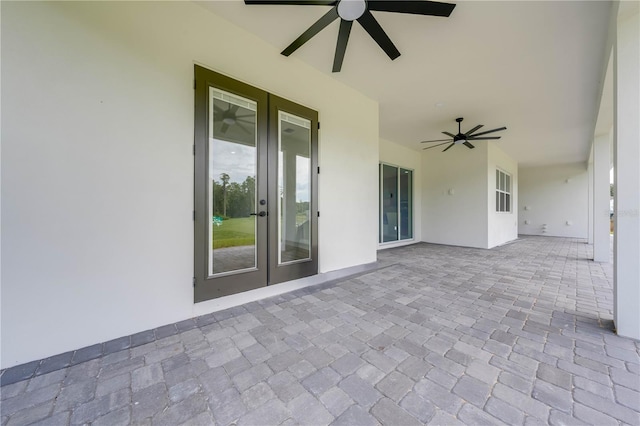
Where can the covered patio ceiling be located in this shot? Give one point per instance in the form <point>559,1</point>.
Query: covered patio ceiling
<point>535,67</point>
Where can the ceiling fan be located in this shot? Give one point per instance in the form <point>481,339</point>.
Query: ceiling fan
<point>358,10</point>
<point>464,138</point>
<point>230,117</point>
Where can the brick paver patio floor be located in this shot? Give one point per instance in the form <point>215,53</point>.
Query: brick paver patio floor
<point>521,334</point>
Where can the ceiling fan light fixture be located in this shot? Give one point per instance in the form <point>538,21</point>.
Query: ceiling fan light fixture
<point>229,120</point>
<point>350,10</point>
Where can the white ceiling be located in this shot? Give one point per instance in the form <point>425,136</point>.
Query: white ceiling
<point>534,67</point>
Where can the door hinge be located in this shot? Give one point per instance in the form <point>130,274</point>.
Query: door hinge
<point>318,213</point>
<point>318,169</point>
<point>194,215</point>
<point>194,150</point>
<point>194,281</point>
<point>318,125</point>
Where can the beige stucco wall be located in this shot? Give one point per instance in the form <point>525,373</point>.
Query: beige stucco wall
<point>97,165</point>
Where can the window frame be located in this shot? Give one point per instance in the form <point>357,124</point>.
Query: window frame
<point>504,191</point>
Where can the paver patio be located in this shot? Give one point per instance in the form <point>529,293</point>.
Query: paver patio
<point>520,334</point>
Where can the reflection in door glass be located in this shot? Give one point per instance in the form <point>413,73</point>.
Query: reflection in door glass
<point>389,203</point>
<point>294,186</point>
<point>406,203</point>
<point>232,182</point>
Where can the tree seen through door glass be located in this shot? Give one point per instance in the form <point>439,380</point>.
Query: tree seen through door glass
<point>294,187</point>
<point>232,183</point>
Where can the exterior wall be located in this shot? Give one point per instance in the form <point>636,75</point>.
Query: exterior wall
<point>502,227</point>
<point>397,155</point>
<point>626,157</point>
<point>454,201</point>
<point>553,195</point>
<point>97,167</point>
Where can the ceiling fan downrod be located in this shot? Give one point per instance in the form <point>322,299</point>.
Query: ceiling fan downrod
<point>459,137</point>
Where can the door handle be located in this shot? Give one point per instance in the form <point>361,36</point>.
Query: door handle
<point>261,214</point>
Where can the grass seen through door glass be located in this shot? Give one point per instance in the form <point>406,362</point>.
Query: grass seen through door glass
<point>234,232</point>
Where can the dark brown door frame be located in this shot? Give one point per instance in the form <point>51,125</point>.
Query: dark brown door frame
<point>206,288</point>
<point>268,271</point>
<point>290,271</point>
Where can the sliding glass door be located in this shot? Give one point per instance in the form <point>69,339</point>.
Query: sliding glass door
<point>396,204</point>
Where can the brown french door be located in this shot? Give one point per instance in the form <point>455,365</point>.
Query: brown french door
<point>255,188</point>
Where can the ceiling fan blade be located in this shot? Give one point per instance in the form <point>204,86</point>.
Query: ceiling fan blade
<point>416,7</point>
<point>245,115</point>
<point>314,29</point>
<point>239,120</point>
<point>490,131</point>
<point>448,147</point>
<point>473,130</point>
<point>485,138</point>
<point>224,128</point>
<point>449,134</point>
<point>341,45</point>
<point>233,109</point>
<point>376,32</point>
<point>435,146</point>
<point>437,140</point>
<point>217,109</point>
<point>467,144</point>
<point>243,129</point>
<point>294,2</point>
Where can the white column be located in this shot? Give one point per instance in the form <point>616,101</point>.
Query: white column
<point>601,232</point>
<point>590,198</point>
<point>627,174</point>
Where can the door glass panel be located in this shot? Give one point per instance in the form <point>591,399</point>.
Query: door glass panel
<point>232,182</point>
<point>406,221</point>
<point>389,203</point>
<point>294,188</point>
